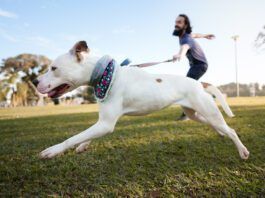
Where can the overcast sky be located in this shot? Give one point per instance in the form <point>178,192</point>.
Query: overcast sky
<point>140,30</point>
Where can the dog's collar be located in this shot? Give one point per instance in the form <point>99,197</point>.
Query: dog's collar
<point>103,76</point>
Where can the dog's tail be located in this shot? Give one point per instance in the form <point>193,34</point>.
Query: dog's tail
<point>219,96</point>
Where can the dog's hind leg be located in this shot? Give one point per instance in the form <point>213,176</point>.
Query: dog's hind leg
<point>205,105</point>
<point>108,116</point>
<point>193,115</point>
<point>231,133</point>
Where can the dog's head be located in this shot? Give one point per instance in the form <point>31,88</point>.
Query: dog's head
<point>66,72</point>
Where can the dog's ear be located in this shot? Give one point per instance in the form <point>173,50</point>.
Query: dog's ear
<point>78,49</point>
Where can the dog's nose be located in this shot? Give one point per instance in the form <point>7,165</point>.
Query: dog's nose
<point>35,82</point>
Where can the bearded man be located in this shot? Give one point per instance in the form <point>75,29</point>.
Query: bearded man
<point>189,47</point>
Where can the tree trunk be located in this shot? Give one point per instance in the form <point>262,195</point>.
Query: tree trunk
<point>40,100</point>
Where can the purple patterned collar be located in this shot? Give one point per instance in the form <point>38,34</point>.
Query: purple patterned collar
<point>102,77</point>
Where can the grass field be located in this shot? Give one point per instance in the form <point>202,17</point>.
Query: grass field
<point>151,156</point>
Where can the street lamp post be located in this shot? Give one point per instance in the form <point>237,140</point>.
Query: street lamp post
<point>235,38</point>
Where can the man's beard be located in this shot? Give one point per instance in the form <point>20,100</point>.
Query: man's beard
<point>178,32</point>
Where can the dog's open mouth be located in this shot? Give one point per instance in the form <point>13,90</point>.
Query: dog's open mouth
<point>58,91</point>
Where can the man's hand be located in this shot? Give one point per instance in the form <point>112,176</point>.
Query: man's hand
<point>182,52</point>
<point>209,36</point>
<point>176,57</point>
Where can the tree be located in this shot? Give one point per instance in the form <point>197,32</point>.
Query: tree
<point>90,95</point>
<point>260,40</point>
<point>245,89</point>
<point>17,75</point>
<point>87,93</point>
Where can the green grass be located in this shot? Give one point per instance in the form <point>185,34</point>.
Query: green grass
<point>147,156</point>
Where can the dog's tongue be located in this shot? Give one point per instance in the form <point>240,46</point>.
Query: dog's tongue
<point>51,93</point>
<point>58,91</point>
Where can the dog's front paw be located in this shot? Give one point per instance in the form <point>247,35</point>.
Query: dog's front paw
<point>52,151</point>
<point>82,147</point>
<point>244,153</point>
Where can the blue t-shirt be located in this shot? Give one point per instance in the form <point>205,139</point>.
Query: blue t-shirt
<point>195,54</point>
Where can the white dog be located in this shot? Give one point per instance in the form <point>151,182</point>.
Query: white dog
<point>133,92</point>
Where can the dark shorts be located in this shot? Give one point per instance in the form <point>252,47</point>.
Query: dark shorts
<point>197,71</point>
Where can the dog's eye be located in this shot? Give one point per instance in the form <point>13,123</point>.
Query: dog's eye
<point>53,68</point>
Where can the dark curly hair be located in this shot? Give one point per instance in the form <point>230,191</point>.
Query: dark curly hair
<point>187,22</point>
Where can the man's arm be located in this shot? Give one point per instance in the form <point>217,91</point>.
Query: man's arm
<point>207,36</point>
<point>182,52</point>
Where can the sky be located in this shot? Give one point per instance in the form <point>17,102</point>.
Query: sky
<point>139,30</point>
